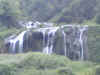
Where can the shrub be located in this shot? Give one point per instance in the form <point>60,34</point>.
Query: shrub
<point>97,71</point>
<point>4,70</point>
<point>65,71</point>
<point>43,61</point>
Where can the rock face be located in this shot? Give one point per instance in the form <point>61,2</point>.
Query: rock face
<point>66,40</point>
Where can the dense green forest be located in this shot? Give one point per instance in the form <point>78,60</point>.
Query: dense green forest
<point>58,11</point>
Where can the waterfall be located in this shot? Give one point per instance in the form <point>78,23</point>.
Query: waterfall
<point>13,45</point>
<point>64,39</point>
<point>21,39</point>
<point>49,46</point>
<point>81,41</point>
<point>79,29</point>
<point>18,39</point>
<point>65,50</point>
<point>50,32</point>
<point>69,40</point>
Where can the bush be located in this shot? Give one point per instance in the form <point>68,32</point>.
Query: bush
<point>42,61</point>
<point>42,64</point>
<point>97,71</point>
<point>65,71</point>
<point>4,70</point>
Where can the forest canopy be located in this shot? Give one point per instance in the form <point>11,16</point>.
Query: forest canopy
<point>58,11</point>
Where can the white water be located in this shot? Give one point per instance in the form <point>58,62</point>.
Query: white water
<point>21,39</point>
<point>64,35</point>
<point>65,50</point>
<point>13,45</point>
<point>48,49</point>
<point>81,41</point>
<point>49,34</point>
<point>81,31</point>
<point>14,41</point>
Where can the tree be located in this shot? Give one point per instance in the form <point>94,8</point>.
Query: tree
<point>10,12</point>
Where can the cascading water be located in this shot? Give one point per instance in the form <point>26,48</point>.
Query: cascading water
<point>66,52</point>
<point>81,41</point>
<point>50,32</point>
<point>64,37</point>
<point>72,41</point>
<point>18,39</point>
<point>79,29</point>
<point>21,39</point>
<point>12,45</point>
<point>49,47</point>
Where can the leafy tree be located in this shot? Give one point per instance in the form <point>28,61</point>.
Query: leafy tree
<point>9,12</point>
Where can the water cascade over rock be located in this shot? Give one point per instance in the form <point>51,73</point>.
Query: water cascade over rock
<point>48,47</point>
<point>14,41</point>
<point>68,40</point>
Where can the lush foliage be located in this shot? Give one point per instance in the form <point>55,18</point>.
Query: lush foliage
<point>94,43</point>
<point>65,11</point>
<point>41,64</point>
<point>9,12</point>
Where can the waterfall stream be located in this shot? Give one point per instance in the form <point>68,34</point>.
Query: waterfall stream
<point>48,49</point>
<point>50,32</point>
<point>49,40</point>
<point>81,41</point>
<point>65,50</point>
<point>18,39</point>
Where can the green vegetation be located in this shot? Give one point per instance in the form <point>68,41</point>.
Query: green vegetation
<point>9,12</point>
<point>65,11</point>
<point>94,43</point>
<point>42,64</point>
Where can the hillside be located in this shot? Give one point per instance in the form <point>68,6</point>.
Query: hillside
<point>65,11</point>
<point>42,64</point>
